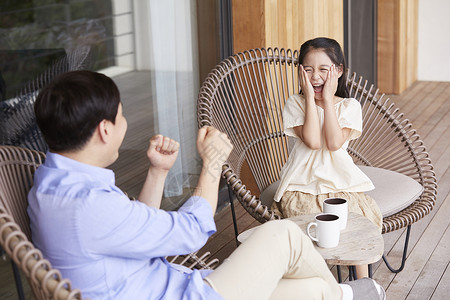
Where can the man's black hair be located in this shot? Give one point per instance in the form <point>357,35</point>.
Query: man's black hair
<point>70,107</point>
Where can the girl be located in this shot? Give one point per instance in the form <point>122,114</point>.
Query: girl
<point>323,120</point>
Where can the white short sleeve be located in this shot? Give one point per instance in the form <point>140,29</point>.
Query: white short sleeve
<point>350,116</point>
<point>293,114</point>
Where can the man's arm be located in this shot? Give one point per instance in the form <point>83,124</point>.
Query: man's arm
<point>162,153</point>
<point>214,148</point>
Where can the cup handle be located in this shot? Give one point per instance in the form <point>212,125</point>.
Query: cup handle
<point>309,234</point>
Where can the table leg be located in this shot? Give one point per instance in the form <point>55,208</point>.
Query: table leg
<point>338,268</point>
<point>352,273</point>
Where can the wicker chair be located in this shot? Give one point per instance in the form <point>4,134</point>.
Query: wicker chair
<point>17,166</point>
<point>244,96</point>
<point>17,121</point>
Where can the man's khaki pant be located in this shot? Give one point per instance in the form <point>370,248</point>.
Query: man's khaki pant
<point>278,261</point>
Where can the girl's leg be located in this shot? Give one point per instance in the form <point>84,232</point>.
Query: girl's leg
<point>277,250</point>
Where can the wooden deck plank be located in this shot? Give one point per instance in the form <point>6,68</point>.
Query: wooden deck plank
<point>422,104</point>
<point>442,162</point>
<point>418,232</point>
<point>443,289</point>
<point>432,272</point>
<point>436,126</point>
<point>414,96</point>
<point>430,109</point>
<point>420,254</point>
<point>225,230</point>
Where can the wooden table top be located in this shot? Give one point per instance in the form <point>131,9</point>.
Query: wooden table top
<point>360,242</point>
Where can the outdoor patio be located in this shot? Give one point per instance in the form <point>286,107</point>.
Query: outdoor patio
<point>426,274</point>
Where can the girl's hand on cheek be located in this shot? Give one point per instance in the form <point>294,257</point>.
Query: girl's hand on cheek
<point>331,83</point>
<point>305,84</point>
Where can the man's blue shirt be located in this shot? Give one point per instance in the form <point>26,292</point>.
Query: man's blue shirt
<point>111,247</point>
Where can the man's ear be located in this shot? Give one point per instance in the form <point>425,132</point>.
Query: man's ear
<point>103,131</point>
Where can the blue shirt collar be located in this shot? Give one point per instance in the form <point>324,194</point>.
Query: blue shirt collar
<point>54,160</point>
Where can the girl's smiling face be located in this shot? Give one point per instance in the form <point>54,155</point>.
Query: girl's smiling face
<point>317,64</point>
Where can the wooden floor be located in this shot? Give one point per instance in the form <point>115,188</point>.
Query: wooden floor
<point>426,274</point>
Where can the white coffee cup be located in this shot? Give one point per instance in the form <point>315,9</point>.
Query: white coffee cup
<point>327,230</point>
<point>338,207</point>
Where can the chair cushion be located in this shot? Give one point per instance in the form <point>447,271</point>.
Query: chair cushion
<point>393,191</point>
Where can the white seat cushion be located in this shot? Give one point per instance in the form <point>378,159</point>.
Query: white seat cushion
<point>393,191</point>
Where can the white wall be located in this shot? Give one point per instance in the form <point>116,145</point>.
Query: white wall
<point>434,40</point>
<point>124,44</point>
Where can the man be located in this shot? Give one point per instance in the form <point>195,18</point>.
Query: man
<point>113,248</point>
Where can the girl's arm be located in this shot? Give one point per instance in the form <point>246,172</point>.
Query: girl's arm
<point>334,135</point>
<point>309,132</point>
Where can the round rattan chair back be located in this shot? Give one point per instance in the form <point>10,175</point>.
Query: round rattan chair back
<point>244,96</point>
<point>17,167</point>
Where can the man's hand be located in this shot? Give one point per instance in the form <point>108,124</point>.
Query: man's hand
<point>162,152</point>
<point>213,147</point>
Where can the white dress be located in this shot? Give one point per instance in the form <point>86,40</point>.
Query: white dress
<point>321,171</point>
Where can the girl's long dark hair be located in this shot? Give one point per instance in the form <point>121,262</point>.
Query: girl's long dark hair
<point>334,52</point>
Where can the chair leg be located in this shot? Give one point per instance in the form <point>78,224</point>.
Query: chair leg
<point>18,281</point>
<point>233,214</point>
<point>16,274</point>
<point>405,250</point>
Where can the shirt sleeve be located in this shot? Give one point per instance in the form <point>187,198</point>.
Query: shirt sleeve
<point>293,114</point>
<point>350,116</point>
<point>118,226</point>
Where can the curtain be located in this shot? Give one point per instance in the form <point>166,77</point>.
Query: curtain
<point>172,38</point>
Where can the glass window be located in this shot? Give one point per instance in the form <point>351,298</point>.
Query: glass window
<point>157,51</point>
<point>34,33</point>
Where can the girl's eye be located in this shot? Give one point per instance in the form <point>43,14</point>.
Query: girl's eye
<point>324,70</point>
<point>308,71</point>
